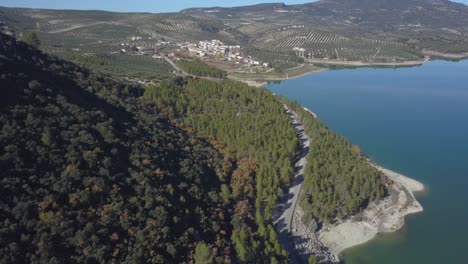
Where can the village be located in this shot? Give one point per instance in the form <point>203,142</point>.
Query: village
<point>206,49</point>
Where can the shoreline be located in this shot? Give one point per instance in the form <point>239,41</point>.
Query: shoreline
<point>367,64</point>
<point>429,55</point>
<point>310,112</point>
<point>262,82</point>
<point>450,56</point>
<point>385,216</point>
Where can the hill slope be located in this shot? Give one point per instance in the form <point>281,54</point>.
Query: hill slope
<point>438,24</point>
<point>91,171</point>
<point>90,175</point>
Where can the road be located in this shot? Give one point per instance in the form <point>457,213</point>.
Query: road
<point>288,204</point>
<point>179,70</point>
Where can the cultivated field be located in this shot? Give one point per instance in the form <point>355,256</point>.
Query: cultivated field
<point>325,45</point>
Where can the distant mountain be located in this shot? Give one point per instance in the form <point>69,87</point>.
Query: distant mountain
<point>110,25</point>
<point>372,14</point>
<point>435,24</point>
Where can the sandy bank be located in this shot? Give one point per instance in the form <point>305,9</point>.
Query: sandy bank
<point>362,64</point>
<point>251,82</point>
<point>452,56</point>
<point>386,216</point>
<point>310,112</point>
<point>262,80</point>
<point>410,184</point>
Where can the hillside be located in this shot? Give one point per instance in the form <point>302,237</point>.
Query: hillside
<point>372,14</point>
<point>93,172</point>
<point>438,24</point>
<point>94,38</point>
<point>101,25</point>
<point>89,174</point>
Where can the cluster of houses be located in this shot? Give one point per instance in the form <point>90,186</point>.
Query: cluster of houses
<point>207,48</point>
<point>140,46</point>
<point>220,51</point>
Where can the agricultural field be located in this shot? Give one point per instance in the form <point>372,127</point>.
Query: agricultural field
<point>97,36</point>
<point>94,37</point>
<point>100,25</point>
<point>325,45</point>
<point>105,58</point>
<point>126,66</point>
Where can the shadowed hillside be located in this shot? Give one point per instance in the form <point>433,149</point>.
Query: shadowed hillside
<point>90,174</point>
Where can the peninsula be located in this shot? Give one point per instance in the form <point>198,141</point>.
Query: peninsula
<point>328,242</point>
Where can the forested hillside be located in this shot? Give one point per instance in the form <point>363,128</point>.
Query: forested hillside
<point>258,135</point>
<point>188,170</point>
<point>92,173</point>
<point>89,174</point>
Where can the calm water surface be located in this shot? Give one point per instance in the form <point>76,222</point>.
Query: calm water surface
<point>414,121</point>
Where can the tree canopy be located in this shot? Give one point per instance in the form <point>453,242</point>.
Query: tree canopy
<point>31,38</point>
<point>93,170</point>
<point>91,174</point>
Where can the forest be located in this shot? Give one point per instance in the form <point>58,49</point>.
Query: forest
<point>257,139</point>
<point>95,171</point>
<point>185,171</point>
<point>91,174</point>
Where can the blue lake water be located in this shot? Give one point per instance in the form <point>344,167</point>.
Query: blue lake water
<point>414,121</point>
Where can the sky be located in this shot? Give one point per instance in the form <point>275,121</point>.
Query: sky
<point>153,6</point>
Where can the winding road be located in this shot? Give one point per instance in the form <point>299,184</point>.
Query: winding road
<point>287,205</point>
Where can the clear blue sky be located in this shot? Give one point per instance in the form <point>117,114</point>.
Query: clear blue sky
<point>136,5</point>
<point>140,5</point>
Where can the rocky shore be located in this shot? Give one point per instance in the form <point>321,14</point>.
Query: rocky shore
<point>368,64</point>
<point>388,215</point>
<point>445,55</point>
<point>384,216</point>
<point>307,243</point>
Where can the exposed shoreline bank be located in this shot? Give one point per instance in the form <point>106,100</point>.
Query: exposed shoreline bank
<point>260,82</point>
<point>369,64</point>
<point>450,56</point>
<point>386,216</point>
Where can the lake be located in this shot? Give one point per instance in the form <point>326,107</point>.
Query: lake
<point>414,121</point>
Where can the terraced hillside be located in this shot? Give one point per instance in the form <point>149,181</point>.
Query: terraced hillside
<point>435,24</point>
<point>107,25</point>
<point>370,31</point>
<point>94,37</point>
<point>321,44</point>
